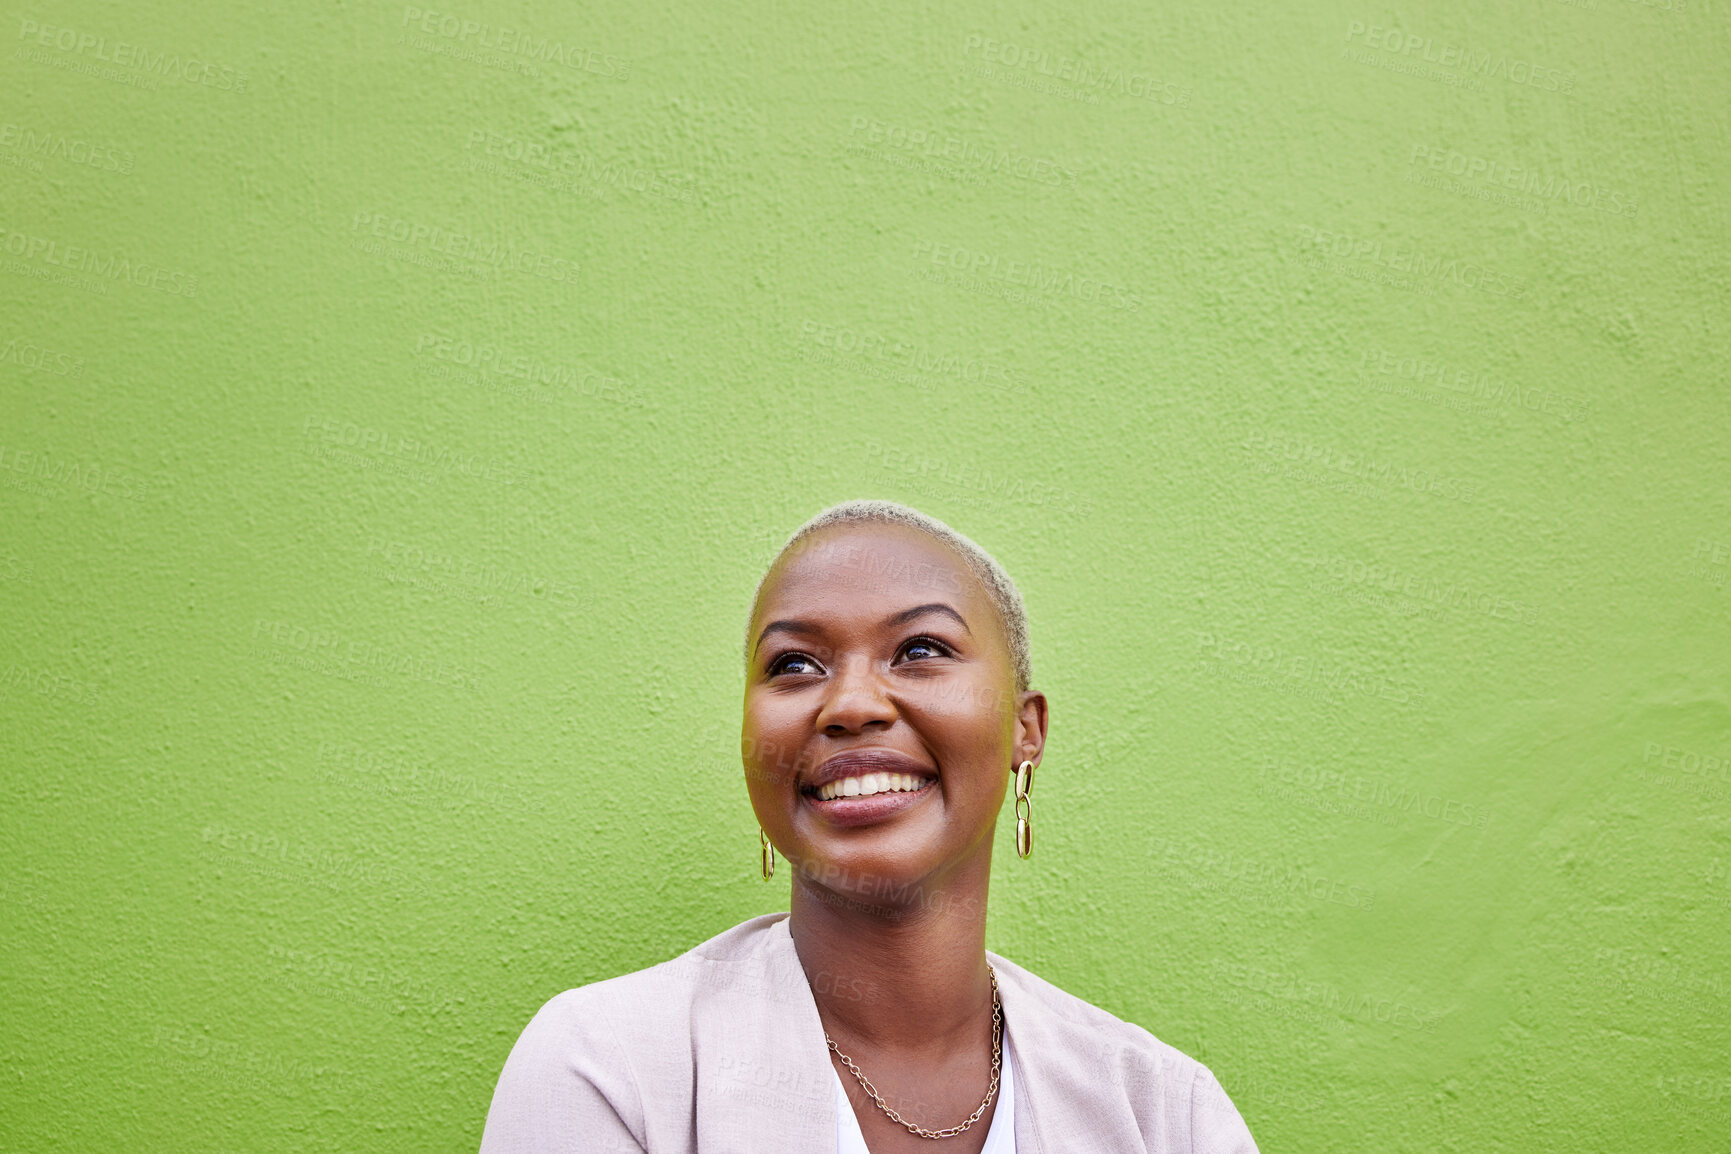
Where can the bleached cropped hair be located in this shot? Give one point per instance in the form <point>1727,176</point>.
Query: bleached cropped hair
<point>1005,598</point>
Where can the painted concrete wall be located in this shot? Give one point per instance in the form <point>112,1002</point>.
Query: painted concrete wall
<point>400,403</point>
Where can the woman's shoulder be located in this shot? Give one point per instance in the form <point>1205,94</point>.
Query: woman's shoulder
<point>1084,1051</point>
<point>655,999</point>
<point>608,1065</point>
<point>1080,1022</point>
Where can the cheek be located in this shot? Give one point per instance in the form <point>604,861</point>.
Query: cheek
<point>976,717</point>
<point>972,746</point>
<point>769,747</point>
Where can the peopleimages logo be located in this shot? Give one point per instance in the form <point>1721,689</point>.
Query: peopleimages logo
<point>93,477</point>
<point>57,146</point>
<point>170,65</point>
<point>966,156</point>
<point>905,350</point>
<point>1406,257</point>
<point>33,358</point>
<point>1033,275</point>
<point>513,42</point>
<point>1072,70</point>
<point>1545,187</point>
<point>1472,383</point>
<point>461,246</point>
<point>108,266</point>
<point>1474,64</point>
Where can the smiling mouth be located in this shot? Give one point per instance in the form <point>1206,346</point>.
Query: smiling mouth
<point>870,785</point>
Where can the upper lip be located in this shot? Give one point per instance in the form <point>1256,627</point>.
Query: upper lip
<point>854,762</point>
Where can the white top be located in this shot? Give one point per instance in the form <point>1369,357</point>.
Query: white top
<point>1000,1139</point>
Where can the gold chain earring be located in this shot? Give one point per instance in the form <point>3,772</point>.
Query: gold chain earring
<point>768,854</point>
<point>1024,810</point>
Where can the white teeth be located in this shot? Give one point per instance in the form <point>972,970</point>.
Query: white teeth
<point>870,784</point>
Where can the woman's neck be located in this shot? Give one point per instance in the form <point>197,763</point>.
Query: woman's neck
<point>908,977</point>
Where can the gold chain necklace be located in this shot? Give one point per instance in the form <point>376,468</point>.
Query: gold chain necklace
<point>991,1091</point>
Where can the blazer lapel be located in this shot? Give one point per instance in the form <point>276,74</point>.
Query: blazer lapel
<point>1060,1075</point>
<point>765,1085</point>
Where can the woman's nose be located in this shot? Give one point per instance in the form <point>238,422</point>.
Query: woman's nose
<point>856,701</point>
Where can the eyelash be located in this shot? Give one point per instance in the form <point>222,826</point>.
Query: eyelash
<point>775,666</point>
<point>929,642</point>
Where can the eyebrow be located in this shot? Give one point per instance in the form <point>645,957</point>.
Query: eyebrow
<point>907,615</point>
<point>783,626</point>
<point>789,625</point>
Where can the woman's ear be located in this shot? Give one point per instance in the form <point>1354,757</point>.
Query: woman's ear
<point>1030,742</point>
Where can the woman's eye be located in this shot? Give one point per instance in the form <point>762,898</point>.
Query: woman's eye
<point>792,663</point>
<point>923,647</point>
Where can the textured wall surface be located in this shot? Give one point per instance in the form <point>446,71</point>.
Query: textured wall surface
<point>399,405</point>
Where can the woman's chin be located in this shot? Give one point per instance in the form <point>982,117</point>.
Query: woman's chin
<point>889,878</point>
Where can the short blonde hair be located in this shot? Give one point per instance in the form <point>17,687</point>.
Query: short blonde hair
<point>1002,591</point>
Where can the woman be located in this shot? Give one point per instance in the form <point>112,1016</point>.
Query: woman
<point>887,710</point>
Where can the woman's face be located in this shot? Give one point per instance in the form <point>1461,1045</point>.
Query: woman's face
<point>882,720</point>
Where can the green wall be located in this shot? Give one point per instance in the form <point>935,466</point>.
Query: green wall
<point>400,404</point>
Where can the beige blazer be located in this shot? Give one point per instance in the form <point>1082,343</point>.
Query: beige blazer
<point>720,1051</point>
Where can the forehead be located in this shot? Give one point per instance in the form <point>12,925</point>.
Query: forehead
<point>873,566</point>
